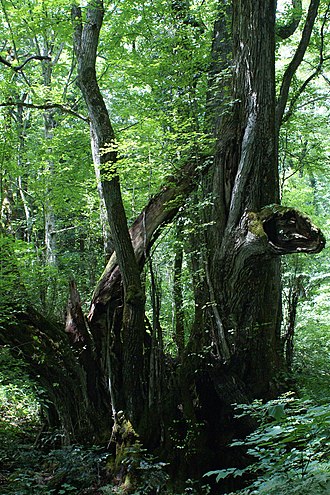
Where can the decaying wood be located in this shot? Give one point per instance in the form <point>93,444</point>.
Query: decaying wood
<point>160,210</point>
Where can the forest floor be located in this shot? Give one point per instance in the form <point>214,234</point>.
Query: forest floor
<point>290,450</point>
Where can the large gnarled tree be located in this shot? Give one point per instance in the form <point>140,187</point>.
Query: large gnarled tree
<point>103,362</point>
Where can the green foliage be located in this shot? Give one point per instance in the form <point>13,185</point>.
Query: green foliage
<point>18,401</point>
<point>26,468</point>
<point>153,66</point>
<point>311,366</point>
<point>155,60</point>
<point>185,435</point>
<point>19,410</point>
<point>10,289</point>
<point>163,267</point>
<point>81,470</point>
<point>64,471</point>
<point>289,450</point>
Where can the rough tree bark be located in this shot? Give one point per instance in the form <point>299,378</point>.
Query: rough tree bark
<point>246,282</point>
<point>247,289</point>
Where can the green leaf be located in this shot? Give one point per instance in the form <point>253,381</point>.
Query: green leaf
<point>276,411</point>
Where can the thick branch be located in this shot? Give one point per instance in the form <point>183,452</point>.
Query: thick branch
<point>160,210</point>
<point>247,254</point>
<point>45,106</point>
<point>296,61</point>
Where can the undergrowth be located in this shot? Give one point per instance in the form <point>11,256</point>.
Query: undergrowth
<point>289,451</point>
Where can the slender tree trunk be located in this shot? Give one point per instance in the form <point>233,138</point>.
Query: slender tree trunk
<point>21,180</point>
<point>105,158</point>
<point>295,292</point>
<point>179,337</point>
<point>49,126</point>
<point>49,215</point>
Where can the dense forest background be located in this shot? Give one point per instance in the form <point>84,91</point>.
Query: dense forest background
<point>153,336</point>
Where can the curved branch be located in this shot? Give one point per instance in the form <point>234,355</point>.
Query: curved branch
<point>316,72</point>
<point>287,30</point>
<point>160,210</point>
<point>5,62</point>
<point>33,57</point>
<point>45,106</point>
<point>300,91</point>
<point>296,61</point>
<point>18,68</point>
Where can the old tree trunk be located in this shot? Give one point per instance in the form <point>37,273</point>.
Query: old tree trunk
<point>107,361</point>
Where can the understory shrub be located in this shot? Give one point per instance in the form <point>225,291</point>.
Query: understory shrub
<point>72,469</point>
<point>289,450</point>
